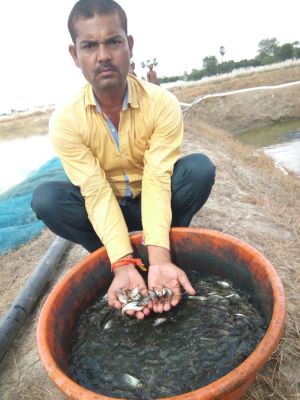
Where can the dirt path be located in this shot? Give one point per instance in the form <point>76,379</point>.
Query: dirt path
<point>251,200</point>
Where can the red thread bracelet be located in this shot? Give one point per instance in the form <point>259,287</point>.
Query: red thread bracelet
<point>125,261</point>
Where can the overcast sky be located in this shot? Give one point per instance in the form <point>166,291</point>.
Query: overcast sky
<point>36,68</point>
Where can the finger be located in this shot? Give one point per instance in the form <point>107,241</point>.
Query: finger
<point>144,291</point>
<point>150,305</point>
<point>167,306</point>
<point>113,301</point>
<point>176,299</point>
<point>146,311</point>
<point>183,279</point>
<point>139,315</point>
<point>158,307</point>
<point>130,312</point>
<point>115,304</point>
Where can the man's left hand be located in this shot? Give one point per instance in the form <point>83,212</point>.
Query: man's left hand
<point>168,275</point>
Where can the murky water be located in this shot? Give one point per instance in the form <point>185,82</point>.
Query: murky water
<point>167,354</point>
<point>19,157</point>
<point>280,141</point>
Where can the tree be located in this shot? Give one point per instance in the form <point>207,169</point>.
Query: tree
<point>222,51</point>
<point>285,52</point>
<point>268,46</point>
<point>266,51</point>
<point>210,65</point>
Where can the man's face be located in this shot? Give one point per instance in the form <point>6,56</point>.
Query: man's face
<point>102,51</point>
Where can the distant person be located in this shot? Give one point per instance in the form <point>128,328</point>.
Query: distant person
<point>132,68</point>
<point>152,76</point>
<point>119,142</point>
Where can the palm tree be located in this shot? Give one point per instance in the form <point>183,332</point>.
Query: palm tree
<point>222,50</point>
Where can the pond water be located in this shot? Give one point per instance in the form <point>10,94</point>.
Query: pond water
<point>19,157</point>
<point>280,141</point>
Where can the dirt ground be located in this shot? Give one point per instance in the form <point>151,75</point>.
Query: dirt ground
<point>251,200</point>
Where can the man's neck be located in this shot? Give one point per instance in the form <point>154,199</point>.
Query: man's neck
<point>112,101</point>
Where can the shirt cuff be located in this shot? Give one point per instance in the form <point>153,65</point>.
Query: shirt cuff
<point>157,237</point>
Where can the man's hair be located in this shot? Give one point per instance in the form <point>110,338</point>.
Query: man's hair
<point>90,8</point>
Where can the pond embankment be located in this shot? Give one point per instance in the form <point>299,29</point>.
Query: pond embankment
<point>247,110</point>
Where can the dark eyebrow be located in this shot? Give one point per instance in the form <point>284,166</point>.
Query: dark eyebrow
<point>114,37</point>
<point>88,42</point>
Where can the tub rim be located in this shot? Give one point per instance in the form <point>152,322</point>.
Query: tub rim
<point>233,380</point>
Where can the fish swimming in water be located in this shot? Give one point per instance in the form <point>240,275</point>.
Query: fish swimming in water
<point>132,381</point>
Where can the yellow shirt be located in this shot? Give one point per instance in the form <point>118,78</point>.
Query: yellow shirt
<point>150,135</point>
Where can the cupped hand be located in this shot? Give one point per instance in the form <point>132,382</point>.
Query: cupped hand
<point>127,277</point>
<point>168,275</point>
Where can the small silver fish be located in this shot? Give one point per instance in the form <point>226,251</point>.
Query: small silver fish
<point>152,294</point>
<point>105,297</point>
<point>144,300</point>
<point>133,305</point>
<point>196,298</point>
<point>159,293</point>
<point>167,293</point>
<point>108,325</point>
<point>233,295</point>
<point>223,283</point>
<point>132,381</point>
<point>133,293</point>
<point>158,321</point>
<point>241,315</point>
<point>122,296</point>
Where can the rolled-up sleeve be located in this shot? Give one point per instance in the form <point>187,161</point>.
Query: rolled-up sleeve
<point>159,160</point>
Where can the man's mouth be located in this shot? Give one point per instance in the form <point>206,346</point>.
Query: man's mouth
<point>105,70</point>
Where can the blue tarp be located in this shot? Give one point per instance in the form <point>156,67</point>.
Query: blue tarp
<point>18,223</point>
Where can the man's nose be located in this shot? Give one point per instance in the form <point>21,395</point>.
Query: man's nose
<point>104,53</point>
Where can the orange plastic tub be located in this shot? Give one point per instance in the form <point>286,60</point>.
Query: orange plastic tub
<point>191,248</point>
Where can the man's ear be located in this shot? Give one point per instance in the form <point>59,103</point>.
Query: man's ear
<point>130,44</point>
<point>73,52</point>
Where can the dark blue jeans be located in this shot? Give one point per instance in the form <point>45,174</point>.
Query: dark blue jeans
<point>61,207</point>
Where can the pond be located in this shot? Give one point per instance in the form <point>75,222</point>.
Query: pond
<point>280,141</point>
<point>19,157</point>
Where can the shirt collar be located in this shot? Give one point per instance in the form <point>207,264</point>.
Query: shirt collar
<point>131,96</point>
<point>125,102</point>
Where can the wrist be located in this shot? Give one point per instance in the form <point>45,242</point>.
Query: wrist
<point>158,255</point>
<point>127,262</point>
<point>123,268</point>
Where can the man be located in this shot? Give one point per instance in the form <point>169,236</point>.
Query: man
<point>151,75</point>
<point>119,141</point>
<point>132,68</point>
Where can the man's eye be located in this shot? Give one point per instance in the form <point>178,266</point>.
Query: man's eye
<point>114,42</point>
<point>89,46</point>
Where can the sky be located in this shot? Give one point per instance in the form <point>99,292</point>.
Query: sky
<point>37,70</point>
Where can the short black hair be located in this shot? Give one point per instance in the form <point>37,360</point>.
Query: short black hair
<point>89,8</point>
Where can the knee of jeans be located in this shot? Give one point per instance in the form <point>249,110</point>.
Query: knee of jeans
<point>44,199</point>
<point>201,168</point>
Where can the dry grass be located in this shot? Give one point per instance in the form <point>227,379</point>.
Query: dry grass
<point>25,124</point>
<point>251,79</point>
<point>258,204</point>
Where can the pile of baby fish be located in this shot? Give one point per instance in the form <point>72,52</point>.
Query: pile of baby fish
<point>136,301</point>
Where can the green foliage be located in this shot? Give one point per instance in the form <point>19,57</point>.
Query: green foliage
<point>285,52</point>
<point>269,52</point>
<point>268,46</point>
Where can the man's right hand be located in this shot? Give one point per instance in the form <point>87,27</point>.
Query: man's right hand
<point>127,277</point>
